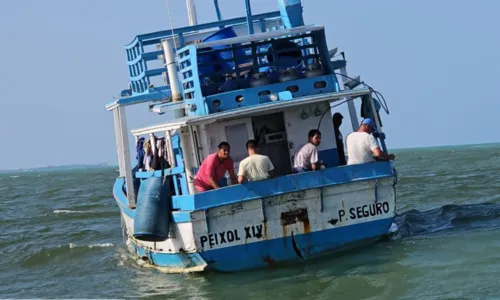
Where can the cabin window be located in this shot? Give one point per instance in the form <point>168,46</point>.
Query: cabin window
<point>320,84</point>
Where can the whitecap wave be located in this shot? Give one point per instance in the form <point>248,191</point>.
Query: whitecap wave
<point>102,245</point>
<point>66,211</point>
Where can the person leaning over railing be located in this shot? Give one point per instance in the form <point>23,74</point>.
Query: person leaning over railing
<point>213,169</point>
<point>363,147</point>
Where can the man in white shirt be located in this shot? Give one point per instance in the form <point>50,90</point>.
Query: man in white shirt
<point>307,157</point>
<point>362,146</point>
<point>255,166</point>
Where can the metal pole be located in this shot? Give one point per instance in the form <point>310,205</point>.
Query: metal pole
<point>170,149</point>
<point>377,121</point>
<point>193,19</point>
<point>189,154</point>
<point>171,69</point>
<point>350,104</point>
<point>124,153</point>
<point>249,17</point>
<point>217,10</point>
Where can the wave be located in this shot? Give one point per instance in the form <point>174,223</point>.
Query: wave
<point>448,218</point>
<point>102,245</point>
<point>62,253</point>
<point>65,211</point>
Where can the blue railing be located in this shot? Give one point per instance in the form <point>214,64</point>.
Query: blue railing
<point>137,56</point>
<point>190,84</point>
<point>223,77</point>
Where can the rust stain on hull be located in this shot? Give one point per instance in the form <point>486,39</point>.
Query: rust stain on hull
<point>307,226</point>
<point>265,230</point>
<point>294,216</point>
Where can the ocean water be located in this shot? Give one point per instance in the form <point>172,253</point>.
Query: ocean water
<point>61,238</point>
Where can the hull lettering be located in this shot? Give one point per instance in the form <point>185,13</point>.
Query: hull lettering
<point>365,211</point>
<point>230,236</point>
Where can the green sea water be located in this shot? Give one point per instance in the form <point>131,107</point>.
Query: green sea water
<point>61,238</point>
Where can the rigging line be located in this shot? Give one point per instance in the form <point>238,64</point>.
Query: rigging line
<point>377,94</point>
<point>171,26</point>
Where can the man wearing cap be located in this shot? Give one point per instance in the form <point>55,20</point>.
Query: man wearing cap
<point>362,146</point>
<point>337,121</point>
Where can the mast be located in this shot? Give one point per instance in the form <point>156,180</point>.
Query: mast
<point>249,17</point>
<point>193,19</point>
<point>217,10</point>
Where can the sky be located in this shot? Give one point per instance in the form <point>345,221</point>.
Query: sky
<point>436,63</point>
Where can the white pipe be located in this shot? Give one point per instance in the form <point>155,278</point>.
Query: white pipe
<point>170,149</point>
<point>193,19</point>
<point>189,154</point>
<point>168,49</point>
<point>124,153</point>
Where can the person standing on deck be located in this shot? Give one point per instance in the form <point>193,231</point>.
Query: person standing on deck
<point>255,166</point>
<point>337,121</point>
<point>213,169</point>
<point>307,157</point>
<point>362,146</point>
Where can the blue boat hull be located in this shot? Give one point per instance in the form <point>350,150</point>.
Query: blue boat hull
<point>269,253</point>
<point>279,228</point>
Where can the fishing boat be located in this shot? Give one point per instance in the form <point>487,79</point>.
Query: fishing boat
<point>268,77</point>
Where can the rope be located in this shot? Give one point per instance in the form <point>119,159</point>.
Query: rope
<point>171,26</point>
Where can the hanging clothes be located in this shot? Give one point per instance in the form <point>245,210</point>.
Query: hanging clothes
<point>147,155</point>
<point>139,147</point>
<point>366,109</point>
<point>155,161</point>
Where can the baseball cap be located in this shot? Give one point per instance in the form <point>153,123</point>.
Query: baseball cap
<point>338,115</point>
<point>371,123</point>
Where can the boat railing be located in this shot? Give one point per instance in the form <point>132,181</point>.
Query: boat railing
<point>230,194</point>
<point>176,174</point>
<point>244,71</point>
<point>145,48</point>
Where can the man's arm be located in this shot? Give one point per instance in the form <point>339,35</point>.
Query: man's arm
<point>230,168</point>
<point>211,177</point>
<point>270,167</point>
<point>234,180</point>
<point>315,160</point>
<point>379,154</point>
<point>241,172</point>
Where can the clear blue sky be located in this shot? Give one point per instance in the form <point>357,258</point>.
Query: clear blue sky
<point>436,62</point>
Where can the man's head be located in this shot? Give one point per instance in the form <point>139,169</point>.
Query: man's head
<point>337,119</point>
<point>314,137</point>
<point>252,147</point>
<point>368,126</point>
<point>224,149</point>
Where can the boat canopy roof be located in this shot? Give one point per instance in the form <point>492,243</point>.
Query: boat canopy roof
<point>261,36</point>
<point>244,112</point>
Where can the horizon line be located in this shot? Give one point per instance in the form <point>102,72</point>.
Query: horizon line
<point>106,164</point>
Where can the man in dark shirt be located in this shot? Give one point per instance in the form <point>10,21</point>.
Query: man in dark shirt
<point>337,121</point>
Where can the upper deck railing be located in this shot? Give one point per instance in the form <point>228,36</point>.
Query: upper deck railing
<point>143,49</point>
<point>234,72</point>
